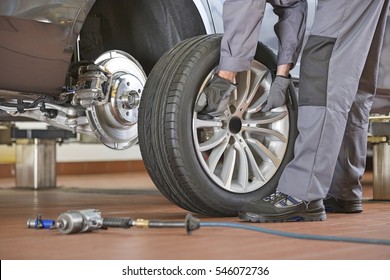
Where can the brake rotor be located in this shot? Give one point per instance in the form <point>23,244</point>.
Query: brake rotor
<point>115,122</point>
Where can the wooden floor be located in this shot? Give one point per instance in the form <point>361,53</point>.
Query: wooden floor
<point>134,195</point>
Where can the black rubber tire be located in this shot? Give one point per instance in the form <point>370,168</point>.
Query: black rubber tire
<point>165,129</point>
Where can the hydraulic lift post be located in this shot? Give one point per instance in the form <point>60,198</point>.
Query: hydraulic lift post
<point>36,156</point>
<point>380,139</point>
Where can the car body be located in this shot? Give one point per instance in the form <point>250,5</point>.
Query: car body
<point>44,44</point>
<point>39,38</point>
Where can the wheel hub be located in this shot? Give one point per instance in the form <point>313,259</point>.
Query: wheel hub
<point>125,97</point>
<point>115,122</point>
<point>235,125</point>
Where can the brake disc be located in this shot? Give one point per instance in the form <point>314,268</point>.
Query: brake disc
<point>115,122</point>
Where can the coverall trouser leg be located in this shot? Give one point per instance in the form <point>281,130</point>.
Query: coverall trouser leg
<point>337,82</point>
<point>242,22</point>
<point>351,162</point>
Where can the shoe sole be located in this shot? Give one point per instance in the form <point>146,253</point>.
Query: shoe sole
<point>355,210</point>
<point>333,205</point>
<point>287,217</point>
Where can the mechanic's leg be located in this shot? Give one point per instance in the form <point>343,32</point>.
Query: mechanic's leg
<point>346,186</point>
<point>327,92</point>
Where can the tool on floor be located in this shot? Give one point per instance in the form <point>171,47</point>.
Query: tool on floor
<point>78,221</point>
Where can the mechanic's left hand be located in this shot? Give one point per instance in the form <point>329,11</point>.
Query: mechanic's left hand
<point>278,93</point>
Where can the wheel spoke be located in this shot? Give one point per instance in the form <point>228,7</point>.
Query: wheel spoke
<point>263,152</point>
<point>252,81</point>
<point>268,119</point>
<point>216,155</point>
<point>198,123</point>
<point>243,88</point>
<point>229,162</point>
<point>254,166</point>
<point>258,104</point>
<point>242,164</point>
<point>264,77</point>
<point>272,134</point>
<point>215,140</point>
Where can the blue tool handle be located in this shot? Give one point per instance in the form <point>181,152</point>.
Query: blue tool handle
<point>41,224</point>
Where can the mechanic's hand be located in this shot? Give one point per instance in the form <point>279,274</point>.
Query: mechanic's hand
<point>214,99</point>
<point>277,94</point>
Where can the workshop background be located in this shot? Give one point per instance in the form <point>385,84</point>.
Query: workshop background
<point>54,174</point>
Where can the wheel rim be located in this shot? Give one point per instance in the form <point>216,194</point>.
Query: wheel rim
<point>242,149</point>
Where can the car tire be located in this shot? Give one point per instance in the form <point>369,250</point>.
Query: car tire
<point>172,135</point>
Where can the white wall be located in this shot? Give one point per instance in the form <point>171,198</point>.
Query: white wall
<point>76,152</point>
<point>73,151</point>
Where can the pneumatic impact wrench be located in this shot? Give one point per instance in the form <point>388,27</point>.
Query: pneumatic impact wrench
<point>78,221</point>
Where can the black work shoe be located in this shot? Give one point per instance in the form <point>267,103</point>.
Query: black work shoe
<point>214,99</point>
<point>335,205</point>
<point>279,207</point>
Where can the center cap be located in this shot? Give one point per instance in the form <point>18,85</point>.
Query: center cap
<point>235,125</point>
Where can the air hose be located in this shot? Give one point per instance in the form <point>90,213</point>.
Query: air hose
<point>191,223</point>
<point>79,221</point>
<point>297,235</point>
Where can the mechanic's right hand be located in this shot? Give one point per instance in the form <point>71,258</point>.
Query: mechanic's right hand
<point>277,94</point>
<point>214,99</point>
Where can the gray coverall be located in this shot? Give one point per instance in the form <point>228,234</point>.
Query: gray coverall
<point>242,21</point>
<point>338,80</point>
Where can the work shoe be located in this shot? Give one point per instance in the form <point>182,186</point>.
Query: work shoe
<point>280,207</point>
<point>214,99</point>
<point>335,205</point>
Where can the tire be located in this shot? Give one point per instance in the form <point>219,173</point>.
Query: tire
<point>213,167</point>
